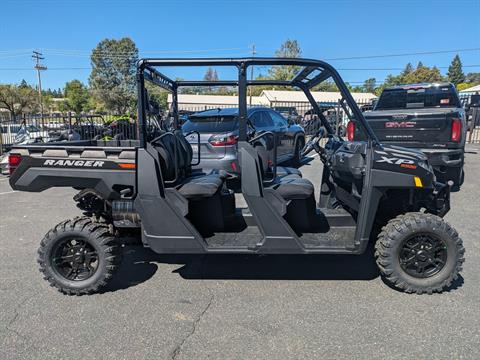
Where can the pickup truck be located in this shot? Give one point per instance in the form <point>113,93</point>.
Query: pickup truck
<point>428,117</point>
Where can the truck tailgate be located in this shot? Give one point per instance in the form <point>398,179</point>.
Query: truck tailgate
<point>421,126</point>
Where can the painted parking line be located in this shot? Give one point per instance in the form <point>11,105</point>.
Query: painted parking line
<point>3,179</point>
<point>8,192</point>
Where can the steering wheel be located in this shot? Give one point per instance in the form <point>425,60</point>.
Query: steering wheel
<point>314,144</point>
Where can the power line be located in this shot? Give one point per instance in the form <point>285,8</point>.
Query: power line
<point>393,69</point>
<point>404,54</point>
<point>86,53</point>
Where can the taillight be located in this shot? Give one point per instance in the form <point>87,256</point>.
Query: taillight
<point>222,140</point>
<point>13,162</point>
<point>456,129</point>
<point>350,130</point>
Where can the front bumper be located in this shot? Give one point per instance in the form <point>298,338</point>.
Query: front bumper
<point>440,204</point>
<point>447,164</point>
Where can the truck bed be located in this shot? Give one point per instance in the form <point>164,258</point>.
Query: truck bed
<point>108,167</point>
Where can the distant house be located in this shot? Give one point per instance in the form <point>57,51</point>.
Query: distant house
<point>471,90</point>
<point>197,102</point>
<point>269,98</point>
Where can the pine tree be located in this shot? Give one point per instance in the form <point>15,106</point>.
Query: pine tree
<point>211,75</point>
<point>455,73</point>
<point>24,84</point>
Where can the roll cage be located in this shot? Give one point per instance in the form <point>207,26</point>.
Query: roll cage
<point>311,73</point>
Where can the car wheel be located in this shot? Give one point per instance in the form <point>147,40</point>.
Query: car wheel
<point>297,151</point>
<point>419,253</point>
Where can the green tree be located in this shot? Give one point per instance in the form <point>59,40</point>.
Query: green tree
<point>158,97</point>
<point>463,86</point>
<point>408,69</point>
<point>17,99</point>
<point>210,75</point>
<point>112,79</point>
<point>409,76</point>
<point>369,85</point>
<point>473,78</point>
<point>23,84</point>
<point>422,74</point>
<point>327,85</point>
<point>455,73</point>
<point>76,96</point>
<point>289,49</point>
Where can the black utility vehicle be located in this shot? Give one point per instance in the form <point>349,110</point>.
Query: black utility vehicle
<point>368,192</point>
<point>428,117</point>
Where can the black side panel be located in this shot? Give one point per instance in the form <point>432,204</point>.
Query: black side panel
<point>368,205</point>
<point>278,236</point>
<point>164,227</point>
<point>37,179</point>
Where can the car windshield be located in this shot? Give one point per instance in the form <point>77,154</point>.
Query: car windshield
<point>213,124</point>
<point>417,97</point>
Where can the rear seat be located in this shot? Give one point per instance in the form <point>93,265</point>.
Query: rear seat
<point>289,183</point>
<point>200,186</point>
<point>191,186</point>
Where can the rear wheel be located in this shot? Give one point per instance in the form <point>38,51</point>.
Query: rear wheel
<point>419,253</point>
<point>79,256</point>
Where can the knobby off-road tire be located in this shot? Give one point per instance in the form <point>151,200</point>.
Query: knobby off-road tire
<point>419,253</point>
<point>79,256</point>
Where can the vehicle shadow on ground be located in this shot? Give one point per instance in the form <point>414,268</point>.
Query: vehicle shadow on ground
<point>140,264</point>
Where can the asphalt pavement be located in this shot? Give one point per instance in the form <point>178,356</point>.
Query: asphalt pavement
<point>231,307</point>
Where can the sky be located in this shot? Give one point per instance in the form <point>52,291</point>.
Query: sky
<point>66,31</point>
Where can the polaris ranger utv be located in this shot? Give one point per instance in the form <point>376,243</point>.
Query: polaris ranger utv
<point>368,192</point>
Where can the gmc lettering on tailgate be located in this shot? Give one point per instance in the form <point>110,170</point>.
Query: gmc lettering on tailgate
<point>400,124</point>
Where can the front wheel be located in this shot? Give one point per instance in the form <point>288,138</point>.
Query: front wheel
<point>79,256</point>
<point>419,253</point>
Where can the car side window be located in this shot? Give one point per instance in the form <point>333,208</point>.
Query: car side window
<point>261,119</point>
<point>278,120</point>
<point>256,119</point>
<point>266,119</point>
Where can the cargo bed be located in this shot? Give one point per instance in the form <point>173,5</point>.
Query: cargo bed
<point>108,167</point>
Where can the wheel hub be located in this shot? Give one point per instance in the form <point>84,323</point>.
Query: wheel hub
<point>423,255</point>
<point>75,259</point>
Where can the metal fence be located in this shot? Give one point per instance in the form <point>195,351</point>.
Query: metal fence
<point>30,128</point>
<point>56,127</point>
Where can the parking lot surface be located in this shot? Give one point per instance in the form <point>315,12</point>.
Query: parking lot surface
<point>231,307</point>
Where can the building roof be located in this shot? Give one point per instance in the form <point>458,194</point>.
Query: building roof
<point>471,89</point>
<point>319,96</point>
<point>266,98</point>
<point>230,100</point>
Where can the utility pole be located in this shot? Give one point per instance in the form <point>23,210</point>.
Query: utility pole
<point>251,73</point>
<point>39,67</point>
